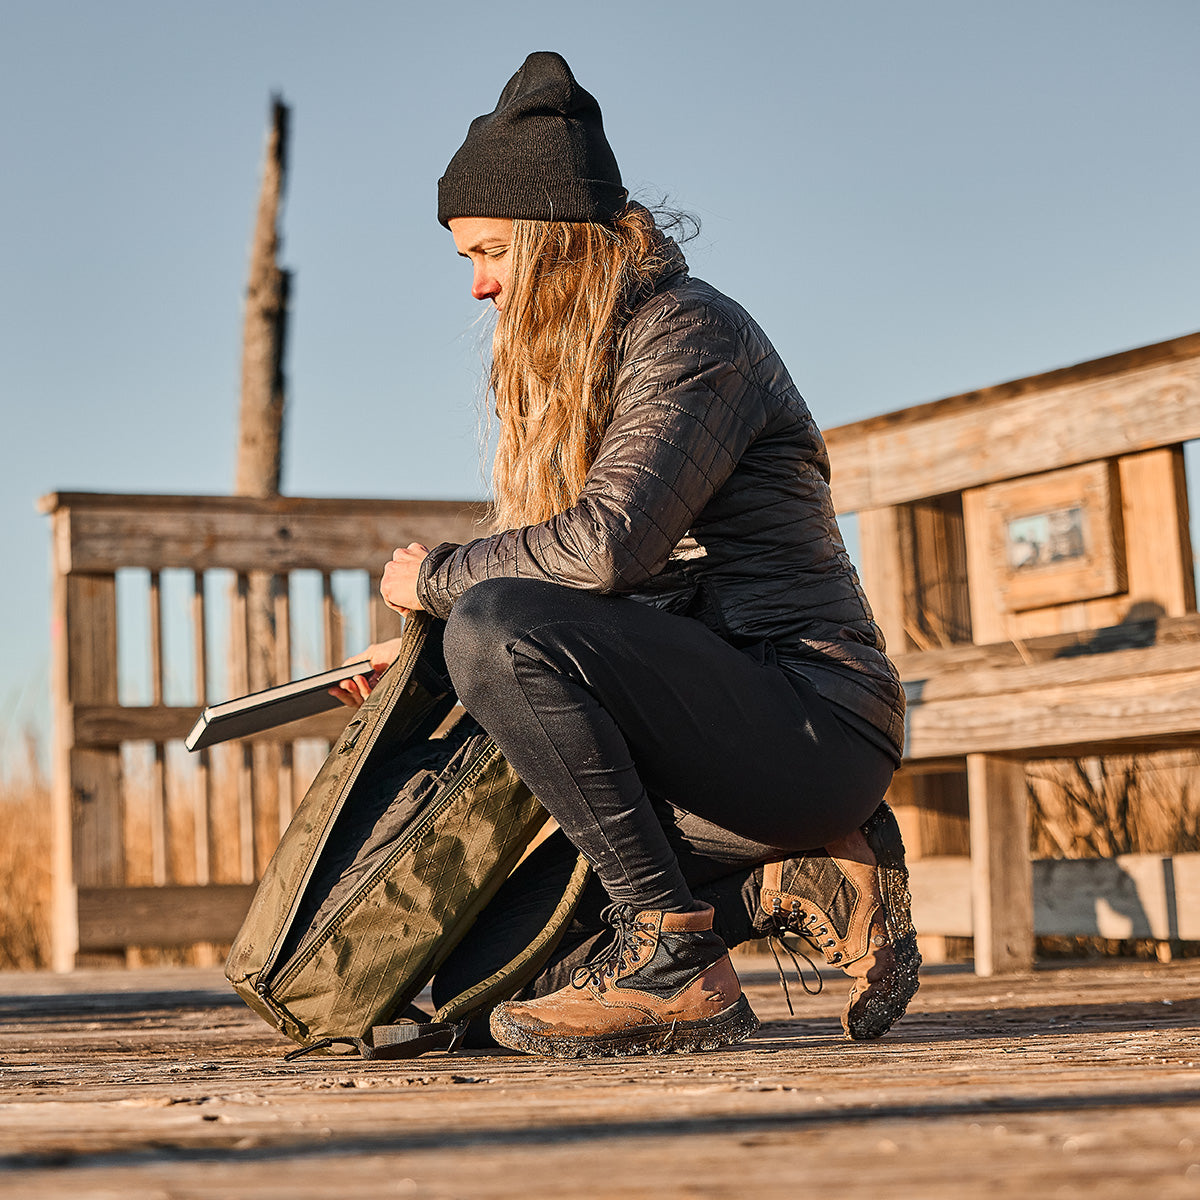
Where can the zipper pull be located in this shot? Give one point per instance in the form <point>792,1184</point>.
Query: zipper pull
<point>351,735</point>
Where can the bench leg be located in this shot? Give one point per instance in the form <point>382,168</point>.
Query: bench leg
<point>1001,872</point>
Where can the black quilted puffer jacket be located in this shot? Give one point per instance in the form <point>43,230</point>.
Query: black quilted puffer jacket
<point>709,497</point>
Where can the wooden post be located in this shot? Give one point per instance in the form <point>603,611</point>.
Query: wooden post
<point>260,422</point>
<point>260,426</point>
<point>883,572</point>
<point>88,846</point>
<point>259,469</point>
<point>1001,872</point>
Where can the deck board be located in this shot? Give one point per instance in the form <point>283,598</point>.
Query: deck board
<point>1081,1081</point>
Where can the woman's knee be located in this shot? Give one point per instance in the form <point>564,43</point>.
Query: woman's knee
<point>484,623</point>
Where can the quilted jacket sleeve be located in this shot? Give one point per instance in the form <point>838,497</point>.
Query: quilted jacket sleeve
<point>687,406</point>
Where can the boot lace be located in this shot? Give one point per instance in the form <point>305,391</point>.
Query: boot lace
<point>630,935</point>
<point>805,924</point>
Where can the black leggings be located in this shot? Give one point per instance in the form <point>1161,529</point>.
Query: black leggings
<point>668,757</point>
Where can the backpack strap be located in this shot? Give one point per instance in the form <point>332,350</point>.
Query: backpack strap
<point>404,1039</point>
<point>515,974</point>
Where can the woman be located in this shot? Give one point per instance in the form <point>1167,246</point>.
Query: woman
<point>665,636</point>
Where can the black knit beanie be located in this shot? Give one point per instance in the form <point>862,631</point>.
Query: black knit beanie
<point>539,155</point>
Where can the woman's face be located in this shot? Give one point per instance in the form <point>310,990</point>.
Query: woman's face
<point>487,242</point>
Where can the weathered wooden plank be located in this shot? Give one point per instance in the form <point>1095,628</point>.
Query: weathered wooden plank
<point>63,925</point>
<point>201,812</point>
<point>99,725</point>
<point>1001,877</point>
<point>1130,896</point>
<point>1171,631</point>
<point>1158,554</point>
<point>175,915</point>
<point>158,815</point>
<point>90,629</point>
<point>224,820</point>
<point>883,572</point>
<point>243,534</point>
<point>934,809</point>
<point>385,622</point>
<point>1102,716</point>
<point>1134,895</point>
<point>267,817</point>
<point>88,820</point>
<point>1022,428</point>
<point>351,506</point>
<point>1068,670</point>
<point>1074,1083</point>
<point>332,624</point>
<point>165,850</point>
<point>97,811</point>
<point>244,760</point>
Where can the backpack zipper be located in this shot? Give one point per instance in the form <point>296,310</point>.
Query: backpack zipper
<point>262,980</point>
<point>465,779</point>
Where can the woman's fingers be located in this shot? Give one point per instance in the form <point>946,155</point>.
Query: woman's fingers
<point>353,691</point>
<point>399,584</point>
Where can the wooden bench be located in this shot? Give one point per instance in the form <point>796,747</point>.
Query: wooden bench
<point>1007,658</point>
<point>171,859</point>
<point>1001,664</point>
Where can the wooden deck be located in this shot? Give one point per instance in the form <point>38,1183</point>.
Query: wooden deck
<point>1066,1082</point>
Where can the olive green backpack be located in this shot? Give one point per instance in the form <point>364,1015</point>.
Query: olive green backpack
<point>411,826</point>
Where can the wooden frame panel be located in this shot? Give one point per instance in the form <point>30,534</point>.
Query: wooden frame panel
<point>1069,526</point>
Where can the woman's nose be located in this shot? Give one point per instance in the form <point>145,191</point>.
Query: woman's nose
<point>485,285</point>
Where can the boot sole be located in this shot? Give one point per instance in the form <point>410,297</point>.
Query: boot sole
<point>680,1037</point>
<point>884,1005</point>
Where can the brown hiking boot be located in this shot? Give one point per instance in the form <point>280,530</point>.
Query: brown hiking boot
<point>852,903</point>
<point>664,985</point>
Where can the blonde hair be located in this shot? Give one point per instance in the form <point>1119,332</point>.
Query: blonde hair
<point>553,354</point>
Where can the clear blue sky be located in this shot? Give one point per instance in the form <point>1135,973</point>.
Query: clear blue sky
<point>914,199</point>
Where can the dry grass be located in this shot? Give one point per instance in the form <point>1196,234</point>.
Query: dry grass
<point>24,862</point>
<point>1102,807</point>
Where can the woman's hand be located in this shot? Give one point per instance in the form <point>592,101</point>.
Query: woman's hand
<point>352,692</point>
<point>399,585</point>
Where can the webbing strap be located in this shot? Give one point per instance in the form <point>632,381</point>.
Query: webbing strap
<point>405,1039</point>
